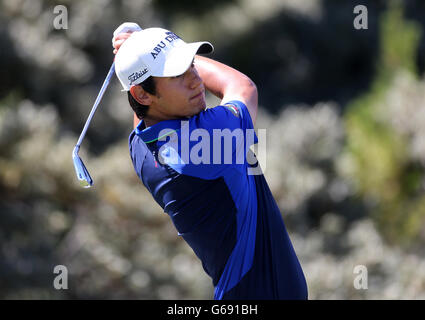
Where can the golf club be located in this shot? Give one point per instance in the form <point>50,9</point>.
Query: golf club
<point>80,169</point>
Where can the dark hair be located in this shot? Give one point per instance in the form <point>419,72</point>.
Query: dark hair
<point>141,110</point>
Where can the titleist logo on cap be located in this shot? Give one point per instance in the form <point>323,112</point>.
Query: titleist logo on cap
<point>136,75</point>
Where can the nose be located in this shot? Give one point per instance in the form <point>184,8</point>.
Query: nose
<point>194,78</point>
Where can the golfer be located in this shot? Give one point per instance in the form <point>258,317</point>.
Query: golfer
<point>220,206</point>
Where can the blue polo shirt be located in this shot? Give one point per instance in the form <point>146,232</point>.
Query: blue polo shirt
<point>201,171</point>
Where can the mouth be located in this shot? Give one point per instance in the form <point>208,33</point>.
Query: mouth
<point>198,95</point>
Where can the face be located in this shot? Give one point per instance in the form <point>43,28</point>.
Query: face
<point>177,97</point>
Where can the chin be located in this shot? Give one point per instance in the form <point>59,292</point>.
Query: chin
<point>200,108</point>
<point>197,113</point>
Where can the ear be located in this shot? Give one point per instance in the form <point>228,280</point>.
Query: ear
<point>140,95</point>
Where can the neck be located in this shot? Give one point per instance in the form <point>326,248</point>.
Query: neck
<point>150,122</point>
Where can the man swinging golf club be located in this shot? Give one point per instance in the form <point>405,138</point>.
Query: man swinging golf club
<point>227,215</point>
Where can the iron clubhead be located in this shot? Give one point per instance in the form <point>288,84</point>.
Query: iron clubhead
<point>80,169</point>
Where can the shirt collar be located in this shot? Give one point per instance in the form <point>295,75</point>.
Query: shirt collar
<point>151,134</point>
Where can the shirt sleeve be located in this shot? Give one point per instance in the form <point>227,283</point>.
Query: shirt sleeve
<point>232,115</point>
<point>230,132</point>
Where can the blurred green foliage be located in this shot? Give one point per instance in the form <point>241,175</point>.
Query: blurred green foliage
<point>384,173</point>
<point>344,113</point>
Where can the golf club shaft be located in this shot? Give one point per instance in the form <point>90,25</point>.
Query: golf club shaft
<point>96,103</point>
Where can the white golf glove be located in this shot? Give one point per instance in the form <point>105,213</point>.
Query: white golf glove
<point>125,27</point>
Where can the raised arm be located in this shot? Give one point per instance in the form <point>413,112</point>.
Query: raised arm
<point>221,80</point>
<point>228,84</point>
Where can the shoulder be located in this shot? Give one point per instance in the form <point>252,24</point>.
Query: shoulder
<point>233,114</point>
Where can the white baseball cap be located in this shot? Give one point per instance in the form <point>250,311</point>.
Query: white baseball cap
<point>155,52</point>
